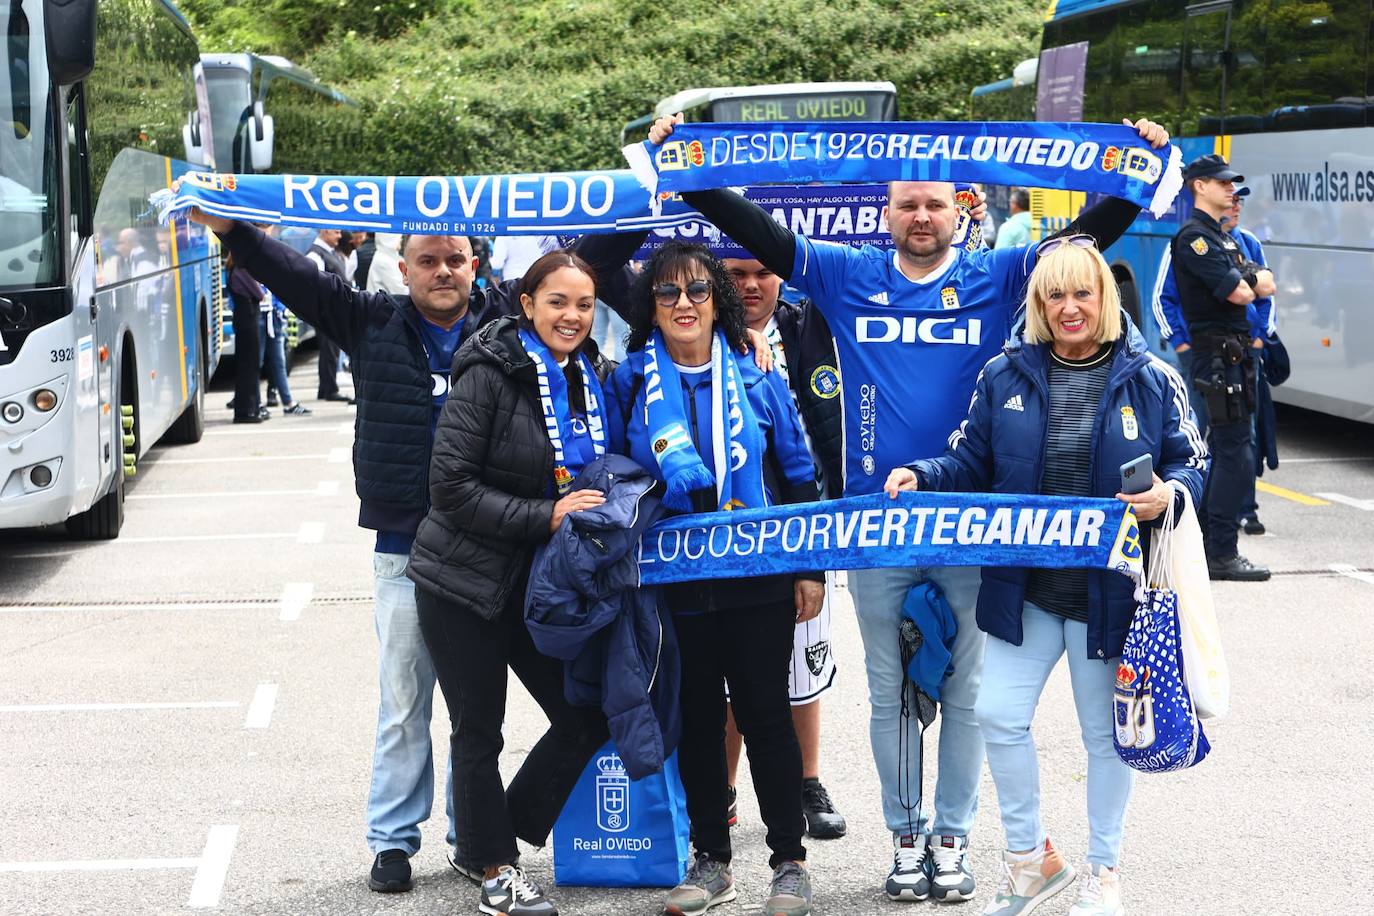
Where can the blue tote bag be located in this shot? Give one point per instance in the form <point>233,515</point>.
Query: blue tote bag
<point>1157,728</point>
<point>615,832</point>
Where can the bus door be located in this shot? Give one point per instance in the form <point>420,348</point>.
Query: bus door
<point>1206,34</point>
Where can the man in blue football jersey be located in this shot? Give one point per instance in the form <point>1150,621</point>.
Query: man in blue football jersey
<point>913,326</point>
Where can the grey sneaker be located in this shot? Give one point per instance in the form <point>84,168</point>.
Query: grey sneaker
<point>790,892</point>
<point>510,893</point>
<point>952,881</point>
<point>707,883</point>
<point>910,876</point>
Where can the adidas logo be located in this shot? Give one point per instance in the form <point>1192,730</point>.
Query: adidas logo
<point>1014,403</point>
<point>879,298</point>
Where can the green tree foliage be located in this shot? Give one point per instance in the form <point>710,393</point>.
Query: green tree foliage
<point>478,86</point>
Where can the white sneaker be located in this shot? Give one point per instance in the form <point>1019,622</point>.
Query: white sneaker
<point>953,880</point>
<point>1028,881</point>
<point>1099,893</point>
<point>910,876</point>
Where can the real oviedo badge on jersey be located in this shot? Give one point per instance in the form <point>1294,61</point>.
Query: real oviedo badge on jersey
<point>1199,246</point>
<point>825,382</point>
<point>949,298</point>
<point>1129,427</point>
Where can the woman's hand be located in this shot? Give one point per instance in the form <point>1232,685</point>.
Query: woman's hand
<point>662,129</point>
<point>1149,131</point>
<point>810,595</point>
<point>763,350</point>
<point>575,501</point>
<point>1151,504</point>
<point>900,479</point>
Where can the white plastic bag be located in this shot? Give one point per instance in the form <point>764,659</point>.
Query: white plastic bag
<point>1178,561</point>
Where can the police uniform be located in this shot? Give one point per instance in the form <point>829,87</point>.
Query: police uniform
<point>1209,265</point>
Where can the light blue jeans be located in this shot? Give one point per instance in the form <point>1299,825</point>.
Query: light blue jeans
<point>878,598</point>
<point>402,790</point>
<point>1013,677</point>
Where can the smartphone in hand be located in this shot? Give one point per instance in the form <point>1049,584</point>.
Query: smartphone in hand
<point>1137,475</point>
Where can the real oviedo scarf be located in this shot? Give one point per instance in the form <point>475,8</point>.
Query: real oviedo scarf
<point>737,444</point>
<point>568,434</point>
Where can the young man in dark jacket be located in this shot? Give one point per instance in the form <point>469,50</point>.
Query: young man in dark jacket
<point>804,352</point>
<point>402,350</point>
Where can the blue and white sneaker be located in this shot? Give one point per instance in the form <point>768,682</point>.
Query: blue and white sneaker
<point>952,880</point>
<point>510,893</point>
<point>909,879</point>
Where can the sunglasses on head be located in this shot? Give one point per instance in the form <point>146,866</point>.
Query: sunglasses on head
<point>1078,241</point>
<point>667,294</point>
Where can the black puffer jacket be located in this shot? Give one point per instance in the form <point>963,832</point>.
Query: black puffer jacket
<point>490,479</point>
<point>814,372</point>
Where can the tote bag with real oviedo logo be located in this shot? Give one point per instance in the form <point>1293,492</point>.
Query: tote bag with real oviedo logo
<point>615,832</point>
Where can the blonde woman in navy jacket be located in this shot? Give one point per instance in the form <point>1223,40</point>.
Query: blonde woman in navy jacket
<point>1058,412</point>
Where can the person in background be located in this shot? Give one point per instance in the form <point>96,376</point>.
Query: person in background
<point>804,355</point>
<point>481,250</point>
<point>384,276</point>
<point>246,294</point>
<point>366,250</point>
<point>1016,231</point>
<point>325,254</point>
<point>511,255</point>
<point>1058,413</point>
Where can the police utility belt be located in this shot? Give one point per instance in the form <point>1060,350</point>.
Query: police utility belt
<point>1227,383</point>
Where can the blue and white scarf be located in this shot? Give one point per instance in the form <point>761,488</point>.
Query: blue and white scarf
<point>1105,158</point>
<point>737,444</point>
<point>563,427</point>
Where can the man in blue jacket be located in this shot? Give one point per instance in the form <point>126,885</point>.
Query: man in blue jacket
<point>402,350</point>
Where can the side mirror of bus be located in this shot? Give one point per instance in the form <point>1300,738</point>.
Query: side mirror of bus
<point>70,28</point>
<point>193,139</point>
<point>260,136</point>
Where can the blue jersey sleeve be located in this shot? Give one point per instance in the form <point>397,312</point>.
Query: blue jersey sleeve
<point>820,270</point>
<point>1167,308</point>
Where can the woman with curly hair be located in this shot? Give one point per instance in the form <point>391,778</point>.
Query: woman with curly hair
<point>721,434</point>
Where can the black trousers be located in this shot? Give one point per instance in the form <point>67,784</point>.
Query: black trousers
<point>470,658</point>
<point>752,649</point>
<point>1231,482</point>
<point>247,366</point>
<point>328,367</point>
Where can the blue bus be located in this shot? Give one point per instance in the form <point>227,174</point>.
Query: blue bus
<point>107,319</point>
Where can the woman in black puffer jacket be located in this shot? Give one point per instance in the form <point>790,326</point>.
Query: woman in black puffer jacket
<point>500,484</point>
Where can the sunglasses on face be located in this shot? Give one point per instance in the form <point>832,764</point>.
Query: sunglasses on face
<point>1078,241</point>
<point>666,295</point>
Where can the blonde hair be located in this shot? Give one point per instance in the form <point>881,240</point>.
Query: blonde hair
<point>1068,268</point>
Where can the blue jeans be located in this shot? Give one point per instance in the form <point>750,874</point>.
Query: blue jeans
<point>1013,678</point>
<point>878,598</point>
<point>402,791</point>
<point>272,355</point>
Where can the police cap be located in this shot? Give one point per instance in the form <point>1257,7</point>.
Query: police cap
<point>1211,166</point>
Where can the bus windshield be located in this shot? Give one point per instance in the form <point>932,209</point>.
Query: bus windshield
<point>230,101</point>
<point>28,155</point>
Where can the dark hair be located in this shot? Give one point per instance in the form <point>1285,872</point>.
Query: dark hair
<point>1022,198</point>
<point>675,260</point>
<point>539,271</point>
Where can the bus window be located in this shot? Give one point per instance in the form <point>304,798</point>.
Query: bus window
<point>1245,76</point>
<point>29,240</point>
<point>1203,79</point>
<point>230,105</point>
<point>1316,74</point>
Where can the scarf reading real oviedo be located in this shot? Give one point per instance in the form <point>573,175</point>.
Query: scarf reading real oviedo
<point>1104,158</point>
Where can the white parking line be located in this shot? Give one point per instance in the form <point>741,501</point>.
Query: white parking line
<point>241,459</point>
<point>214,866</point>
<point>327,488</point>
<point>294,429</point>
<point>260,710</point>
<point>98,608</point>
<point>1345,569</point>
<point>246,494</point>
<point>119,707</point>
<point>169,539</point>
<point>211,867</point>
<point>346,429</point>
<point>1366,504</point>
<point>340,455</point>
<point>310,533</point>
<point>294,598</point>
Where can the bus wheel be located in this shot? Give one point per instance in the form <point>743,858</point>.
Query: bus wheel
<point>102,521</point>
<point>190,426</point>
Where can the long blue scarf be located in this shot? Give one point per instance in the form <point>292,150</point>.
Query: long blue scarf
<point>736,442</point>
<point>557,203</point>
<point>558,415</point>
<point>915,529</point>
<point>1109,159</point>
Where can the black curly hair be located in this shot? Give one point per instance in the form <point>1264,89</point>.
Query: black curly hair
<point>669,264</point>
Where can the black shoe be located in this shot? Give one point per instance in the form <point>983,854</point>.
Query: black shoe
<point>271,399</point>
<point>732,809</point>
<point>1252,525</point>
<point>256,418</point>
<point>230,405</point>
<point>336,396</point>
<point>823,822</point>
<point>471,872</point>
<point>1236,568</point>
<point>264,413</point>
<point>390,872</point>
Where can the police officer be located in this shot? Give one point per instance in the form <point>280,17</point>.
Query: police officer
<point>1215,284</point>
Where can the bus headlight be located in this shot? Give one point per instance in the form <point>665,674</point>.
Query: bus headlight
<point>44,399</point>
<point>12,411</point>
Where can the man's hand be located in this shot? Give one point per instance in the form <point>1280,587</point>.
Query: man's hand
<point>1149,131</point>
<point>1151,504</point>
<point>663,128</point>
<point>1183,348</point>
<point>1257,343</point>
<point>1264,283</point>
<point>216,224</point>
<point>979,211</point>
<point>809,596</point>
<point>763,350</point>
<point>900,479</point>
